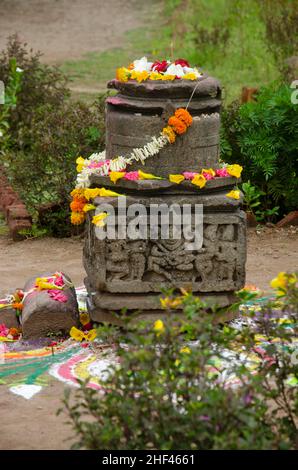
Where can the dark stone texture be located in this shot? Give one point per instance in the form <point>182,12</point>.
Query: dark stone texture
<point>42,315</point>
<point>140,111</point>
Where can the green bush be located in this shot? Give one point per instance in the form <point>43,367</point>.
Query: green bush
<point>41,85</point>
<point>262,136</point>
<point>162,395</point>
<point>47,132</point>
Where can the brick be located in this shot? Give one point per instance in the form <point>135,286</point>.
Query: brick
<point>290,219</point>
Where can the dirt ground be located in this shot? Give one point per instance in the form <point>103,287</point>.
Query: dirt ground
<point>269,251</point>
<point>66,29</point>
<point>32,424</point>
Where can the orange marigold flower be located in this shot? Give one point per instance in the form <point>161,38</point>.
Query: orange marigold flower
<point>17,306</point>
<point>77,218</point>
<point>168,131</point>
<point>184,116</point>
<point>178,125</point>
<point>77,205</point>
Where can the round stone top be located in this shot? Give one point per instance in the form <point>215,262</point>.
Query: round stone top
<point>204,86</point>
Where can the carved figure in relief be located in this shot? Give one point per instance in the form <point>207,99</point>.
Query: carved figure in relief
<point>168,255</point>
<point>204,259</point>
<point>227,254</point>
<point>117,259</point>
<point>137,258</point>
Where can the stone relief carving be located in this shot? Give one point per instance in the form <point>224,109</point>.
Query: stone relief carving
<point>170,261</point>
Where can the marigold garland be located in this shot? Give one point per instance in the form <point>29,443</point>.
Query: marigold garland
<point>178,126</point>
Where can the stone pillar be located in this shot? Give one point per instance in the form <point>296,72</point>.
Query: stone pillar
<point>131,274</point>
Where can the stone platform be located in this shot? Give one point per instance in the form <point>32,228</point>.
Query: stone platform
<point>131,274</point>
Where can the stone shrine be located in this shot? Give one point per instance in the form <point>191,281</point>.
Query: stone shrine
<point>131,274</point>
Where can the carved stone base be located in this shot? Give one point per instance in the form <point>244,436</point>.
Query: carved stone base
<point>114,317</point>
<point>132,273</point>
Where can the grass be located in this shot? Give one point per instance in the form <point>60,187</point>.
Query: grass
<point>176,29</point>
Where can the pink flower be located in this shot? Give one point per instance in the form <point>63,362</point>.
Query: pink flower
<point>3,330</point>
<point>59,281</point>
<point>189,175</point>
<point>222,172</point>
<point>207,176</point>
<point>132,175</point>
<point>98,164</point>
<point>57,295</point>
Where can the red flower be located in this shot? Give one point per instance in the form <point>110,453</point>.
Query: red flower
<point>160,66</point>
<point>182,62</point>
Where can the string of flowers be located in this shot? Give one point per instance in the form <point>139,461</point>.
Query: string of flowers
<point>81,197</point>
<point>97,163</point>
<point>142,70</point>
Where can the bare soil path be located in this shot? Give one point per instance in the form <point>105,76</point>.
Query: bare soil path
<point>67,29</point>
<point>269,251</point>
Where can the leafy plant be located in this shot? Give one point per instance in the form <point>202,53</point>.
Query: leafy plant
<point>11,92</point>
<point>168,390</point>
<point>47,133</point>
<point>251,196</point>
<point>263,137</point>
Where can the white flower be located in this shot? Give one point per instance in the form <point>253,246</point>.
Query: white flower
<point>176,70</point>
<point>1,133</point>
<point>19,70</point>
<point>142,65</point>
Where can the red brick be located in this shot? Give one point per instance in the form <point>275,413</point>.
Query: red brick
<point>15,226</point>
<point>290,219</point>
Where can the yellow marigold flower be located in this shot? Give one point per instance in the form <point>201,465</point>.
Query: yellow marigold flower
<point>78,192</point>
<point>169,133</point>
<point>89,207</point>
<point>98,219</point>
<point>91,193</point>
<point>167,302</point>
<point>234,194</point>
<point>199,180</point>
<point>155,76</point>
<point>234,170</point>
<point>189,76</point>
<point>148,176</point>
<point>158,327</point>
<point>84,318</point>
<point>209,171</point>
<point>80,161</point>
<point>122,74</point>
<point>91,335</point>
<point>168,77</point>
<point>103,192</point>
<point>280,281</point>
<point>176,178</point>
<point>139,76</point>
<point>76,334</point>
<point>77,218</point>
<point>116,175</point>
<point>185,350</point>
<point>42,283</point>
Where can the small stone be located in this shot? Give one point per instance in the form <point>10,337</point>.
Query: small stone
<point>42,315</point>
